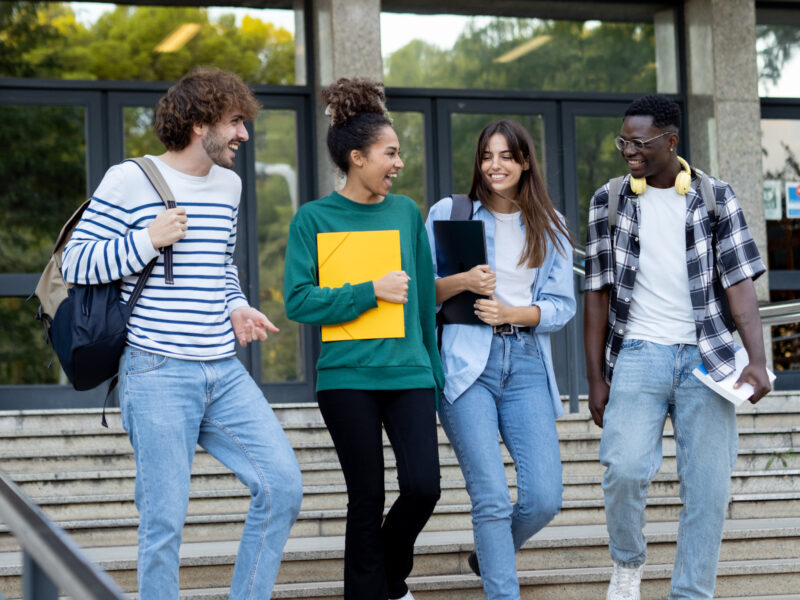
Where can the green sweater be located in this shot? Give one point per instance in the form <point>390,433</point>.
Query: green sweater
<point>379,364</point>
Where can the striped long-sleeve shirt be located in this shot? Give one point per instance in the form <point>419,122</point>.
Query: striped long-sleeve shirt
<point>190,319</point>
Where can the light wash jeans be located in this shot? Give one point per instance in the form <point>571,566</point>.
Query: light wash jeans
<point>168,407</point>
<point>650,381</point>
<point>511,396</point>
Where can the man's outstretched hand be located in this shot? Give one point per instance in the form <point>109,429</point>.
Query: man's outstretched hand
<point>250,324</point>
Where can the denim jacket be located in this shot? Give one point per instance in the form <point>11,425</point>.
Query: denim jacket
<point>465,348</point>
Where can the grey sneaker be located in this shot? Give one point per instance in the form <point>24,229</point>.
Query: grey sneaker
<point>625,583</point>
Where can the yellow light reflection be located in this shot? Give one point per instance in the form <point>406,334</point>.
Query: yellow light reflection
<point>178,38</point>
<point>523,49</point>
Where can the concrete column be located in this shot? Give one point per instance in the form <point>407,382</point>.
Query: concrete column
<point>724,111</point>
<point>348,44</point>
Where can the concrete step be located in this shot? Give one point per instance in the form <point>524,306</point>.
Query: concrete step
<point>86,453</point>
<point>303,424</point>
<point>310,560</point>
<point>29,462</point>
<point>214,489</point>
<point>226,525</point>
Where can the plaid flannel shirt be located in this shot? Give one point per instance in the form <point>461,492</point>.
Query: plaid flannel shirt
<point>715,260</point>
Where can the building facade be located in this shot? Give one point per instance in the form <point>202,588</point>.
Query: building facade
<point>79,82</point>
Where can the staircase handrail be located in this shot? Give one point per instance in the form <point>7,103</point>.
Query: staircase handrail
<point>49,552</point>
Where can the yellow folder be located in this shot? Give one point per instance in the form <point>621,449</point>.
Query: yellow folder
<point>355,257</point>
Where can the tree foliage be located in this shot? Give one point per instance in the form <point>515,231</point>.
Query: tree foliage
<point>46,40</point>
<point>563,56</point>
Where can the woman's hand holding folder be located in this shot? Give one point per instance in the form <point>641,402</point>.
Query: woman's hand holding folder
<point>392,287</point>
<point>480,280</point>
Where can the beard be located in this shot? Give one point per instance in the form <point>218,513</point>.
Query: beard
<point>217,149</point>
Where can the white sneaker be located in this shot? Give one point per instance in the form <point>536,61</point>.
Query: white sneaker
<point>408,596</point>
<point>625,583</point>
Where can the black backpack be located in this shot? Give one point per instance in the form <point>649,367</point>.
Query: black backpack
<point>87,324</point>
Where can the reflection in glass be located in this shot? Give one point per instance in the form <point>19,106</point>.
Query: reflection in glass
<point>485,52</point>
<point>143,43</point>
<point>275,142</point>
<point>778,48</point>
<point>25,358</point>
<point>467,127</point>
<point>597,160</point>
<point>780,140</point>
<point>42,180</point>
<point>411,179</point>
<point>139,135</point>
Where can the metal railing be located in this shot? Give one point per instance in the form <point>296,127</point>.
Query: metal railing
<point>51,560</point>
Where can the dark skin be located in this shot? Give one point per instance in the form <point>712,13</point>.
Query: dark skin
<point>659,165</point>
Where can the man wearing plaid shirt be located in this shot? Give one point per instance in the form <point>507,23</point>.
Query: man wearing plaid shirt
<point>660,298</point>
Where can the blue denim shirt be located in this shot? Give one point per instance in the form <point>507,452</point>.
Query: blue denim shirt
<point>465,348</point>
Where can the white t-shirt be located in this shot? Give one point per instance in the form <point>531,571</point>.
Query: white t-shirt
<point>514,282</point>
<point>661,308</point>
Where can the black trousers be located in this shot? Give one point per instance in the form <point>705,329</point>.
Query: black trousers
<point>379,553</point>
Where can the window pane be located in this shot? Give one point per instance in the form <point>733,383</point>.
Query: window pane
<point>84,40</point>
<point>465,131</point>
<point>25,358</point>
<point>597,161</point>
<point>139,135</point>
<point>42,180</point>
<point>778,60</point>
<point>490,52</point>
<point>276,193</point>
<point>780,140</point>
<point>411,180</point>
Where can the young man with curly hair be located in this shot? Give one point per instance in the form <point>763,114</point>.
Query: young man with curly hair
<point>180,381</point>
<point>666,285</point>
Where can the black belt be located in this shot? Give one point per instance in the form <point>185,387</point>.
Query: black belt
<point>509,329</point>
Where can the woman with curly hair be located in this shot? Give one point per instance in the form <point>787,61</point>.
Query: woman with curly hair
<point>500,373</point>
<point>365,384</point>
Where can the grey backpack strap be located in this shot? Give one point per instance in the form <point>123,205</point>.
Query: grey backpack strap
<point>154,175</point>
<point>614,190</point>
<point>462,208</point>
<point>707,192</point>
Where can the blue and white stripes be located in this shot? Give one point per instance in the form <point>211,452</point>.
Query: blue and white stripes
<point>190,319</point>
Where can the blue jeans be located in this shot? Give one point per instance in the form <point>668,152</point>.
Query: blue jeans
<point>511,396</point>
<point>650,381</point>
<point>168,407</point>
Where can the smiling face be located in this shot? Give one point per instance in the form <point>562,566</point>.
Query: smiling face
<point>655,161</point>
<point>221,141</point>
<point>376,166</point>
<point>498,166</point>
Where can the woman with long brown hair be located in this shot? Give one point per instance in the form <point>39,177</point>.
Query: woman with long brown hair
<point>499,374</point>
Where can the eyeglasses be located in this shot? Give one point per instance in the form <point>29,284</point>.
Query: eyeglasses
<point>637,144</point>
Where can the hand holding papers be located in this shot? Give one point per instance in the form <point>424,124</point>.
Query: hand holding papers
<point>460,245</point>
<point>725,387</point>
<point>355,257</point>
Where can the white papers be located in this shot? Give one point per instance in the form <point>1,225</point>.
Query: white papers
<point>725,387</point>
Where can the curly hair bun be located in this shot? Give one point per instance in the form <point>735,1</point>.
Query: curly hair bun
<point>350,97</point>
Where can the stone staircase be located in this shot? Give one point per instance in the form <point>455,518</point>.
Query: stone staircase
<point>83,477</point>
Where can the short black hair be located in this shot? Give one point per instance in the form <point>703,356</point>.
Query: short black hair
<point>664,111</point>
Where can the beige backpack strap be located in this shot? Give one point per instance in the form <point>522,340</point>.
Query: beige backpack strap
<point>154,175</point>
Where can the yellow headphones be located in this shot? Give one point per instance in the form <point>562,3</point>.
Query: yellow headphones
<point>683,181</point>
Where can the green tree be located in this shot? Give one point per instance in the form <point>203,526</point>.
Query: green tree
<point>43,171</point>
<point>46,40</point>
